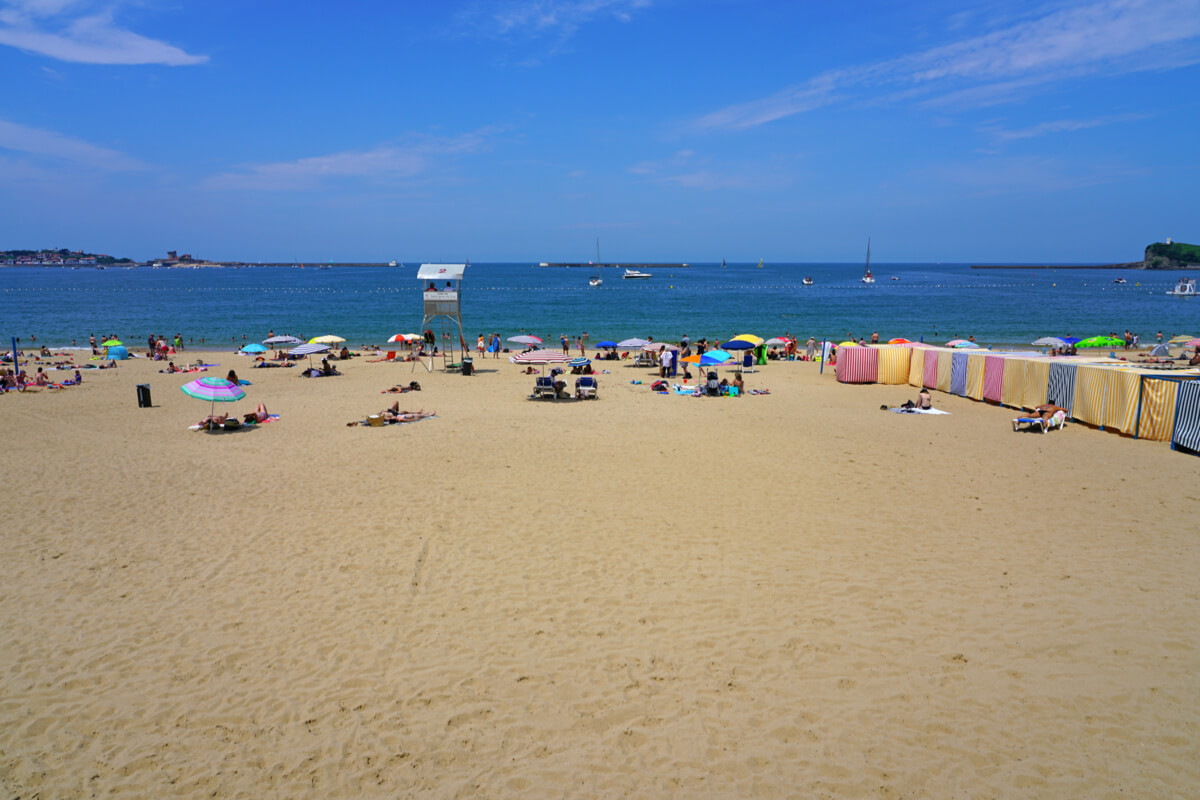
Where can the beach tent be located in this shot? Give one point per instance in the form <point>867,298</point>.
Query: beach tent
<point>118,352</point>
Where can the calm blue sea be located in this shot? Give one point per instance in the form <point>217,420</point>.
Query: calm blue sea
<point>368,304</point>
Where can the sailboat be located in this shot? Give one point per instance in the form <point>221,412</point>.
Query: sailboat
<point>760,263</point>
<point>867,276</point>
<point>722,263</point>
<point>596,280</point>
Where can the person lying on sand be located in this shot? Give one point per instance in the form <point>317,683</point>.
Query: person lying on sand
<point>213,422</point>
<point>394,414</point>
<point>258,415</point>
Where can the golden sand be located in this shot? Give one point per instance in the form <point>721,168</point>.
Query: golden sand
<point>790,595</point>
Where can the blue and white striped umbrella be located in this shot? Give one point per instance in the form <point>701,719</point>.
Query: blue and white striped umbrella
<point>308,349</point>
<point>579,362</point>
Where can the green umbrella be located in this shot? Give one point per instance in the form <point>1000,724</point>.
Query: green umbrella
<point>111,343</point>
<point>1101,341</point>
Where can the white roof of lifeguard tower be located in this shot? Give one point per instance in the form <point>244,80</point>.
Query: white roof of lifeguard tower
<point>444,272</point>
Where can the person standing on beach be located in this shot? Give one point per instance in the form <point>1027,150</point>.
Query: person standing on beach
<point>92,341</point>
<point>563,341</point>
<point>810,349</point>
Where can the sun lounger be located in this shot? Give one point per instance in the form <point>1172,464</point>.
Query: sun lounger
<point>544,387</point>
<point>586,387</point>
<point>1059,421</point>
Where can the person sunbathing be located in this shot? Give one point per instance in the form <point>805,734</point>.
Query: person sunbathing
<point>1047,410</point>
<point>211,422</point>
<point>394,414</point>
<point>259,414</point>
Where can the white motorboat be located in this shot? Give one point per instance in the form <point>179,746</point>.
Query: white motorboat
<point>1119,280</point>
<point>808,281</point>
<point>391,263</point>
<point>596,280</point>
<point>1185,288</point>
<point>631,274</point>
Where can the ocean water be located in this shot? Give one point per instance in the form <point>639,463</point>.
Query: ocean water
<point>934,302</point>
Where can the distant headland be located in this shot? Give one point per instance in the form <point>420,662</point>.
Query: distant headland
<point>58,258</point>
<point>1160,255</point>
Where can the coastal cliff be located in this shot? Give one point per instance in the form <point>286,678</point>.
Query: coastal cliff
<point>1171,255</point>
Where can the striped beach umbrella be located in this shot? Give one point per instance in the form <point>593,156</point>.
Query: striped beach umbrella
<point>540,357</point>
<point>308,349</point>
<point>282,340</point>
<point>634,342</point>
<point>525,338</point>
<point>749,337</point>
<point>579,362</point>
<point>214,390</point>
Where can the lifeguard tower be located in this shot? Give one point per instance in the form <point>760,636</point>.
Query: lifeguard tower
<point>440,300</point>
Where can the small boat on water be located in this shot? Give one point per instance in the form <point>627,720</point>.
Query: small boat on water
<point>760,263</point>
<point>808,281</point>
<point>632,274</point>
<point>391,263</point>
<point>1185,288</point>
<point>1119,280</point>
<point>596,280</point>
<point>867,276</point>
<point>722,263</point>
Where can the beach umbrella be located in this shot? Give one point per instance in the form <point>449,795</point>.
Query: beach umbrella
<point>1049,341</point>
<point>657,346</point>
<point>776,342</point>
<point>214,390</point>
<point>847,344</point>
<point>111,343</point>
<point>1192,343</point>
<point>1101,341</point>
<point>282,340</point>
<point>738,344</point>
<point>748,337</point>
<point>525,339</point>
<point>308,349</point>
<point>540,357</point>
<point>607,343</point>
<point>634,342</point>
<point>709,358</point>
<point>961,343</point>
<point>118,353</point>
<point>253,348</point>
<point>1069,339</point>
<point>899,341</point>
<point>1180,339</point>
<point>328,338</point>
<point>579,362</point>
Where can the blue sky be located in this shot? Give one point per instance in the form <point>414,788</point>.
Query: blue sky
<point>671,129</point>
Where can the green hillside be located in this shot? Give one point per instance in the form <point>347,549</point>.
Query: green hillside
<point>1175,254</point>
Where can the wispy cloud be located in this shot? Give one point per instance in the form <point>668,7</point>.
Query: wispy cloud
<point>83,32</point>
<point>1112,37</point>
<point>41,142</point>
<point>383,164</point>
<point>1057,126</point>
<point>554,19</point>
<point>688,170</point>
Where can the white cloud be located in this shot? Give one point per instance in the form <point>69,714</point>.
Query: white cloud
<point>1058,126</point>
<point>386,163</point>
<point>40,142</point>
<point>71,30</point>
<point>1112,37</point>
<point>555,18</point>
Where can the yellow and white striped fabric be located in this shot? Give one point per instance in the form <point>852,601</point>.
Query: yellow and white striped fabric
<point>1037,378</point>
<point>1012,390</point>
<point>916,367</point>
<point>1106,397</point>
<point>1158,409</point>
<point>945,362</point>
<point>975,376</point>
<point>894,364</point>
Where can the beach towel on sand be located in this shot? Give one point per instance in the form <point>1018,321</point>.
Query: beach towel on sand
<point>919,411</point>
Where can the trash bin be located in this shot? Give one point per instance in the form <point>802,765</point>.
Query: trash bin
<point>468,366</point>
<point>143,391</point>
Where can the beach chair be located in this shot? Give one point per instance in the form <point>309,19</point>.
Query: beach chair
<point>544,387</point>
<point>748,361</point>
<point>586,387</point>
<point>1059,421</point>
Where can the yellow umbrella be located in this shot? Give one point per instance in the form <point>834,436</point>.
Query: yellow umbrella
<point>847,344</point>
<point>749,337</point>
<point>327,339</point>
<point>1180,339</point>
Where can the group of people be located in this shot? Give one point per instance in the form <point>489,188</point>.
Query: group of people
<point>20,379</point>
<point>227,421</point>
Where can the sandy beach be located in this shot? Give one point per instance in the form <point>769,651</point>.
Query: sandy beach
<point>785,595</point>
